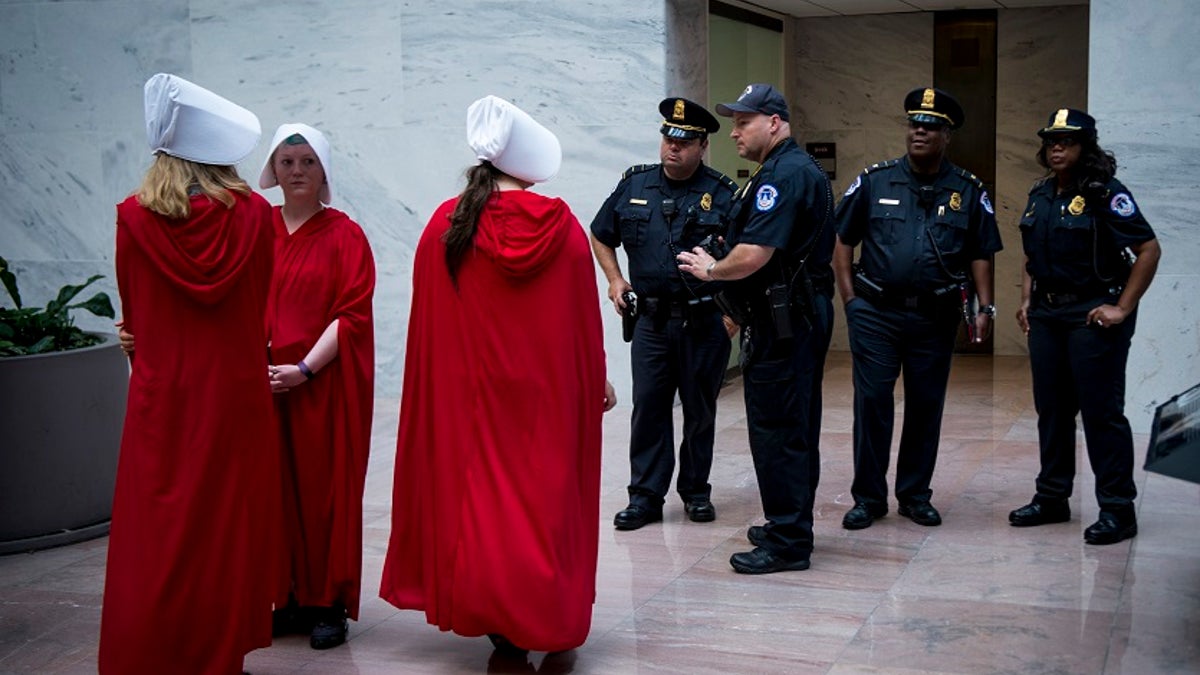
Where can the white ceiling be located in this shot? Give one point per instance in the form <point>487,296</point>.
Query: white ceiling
<point>808,8</point>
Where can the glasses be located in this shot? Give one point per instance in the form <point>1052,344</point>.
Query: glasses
<point>1065,141</point>
<point>928,126</point>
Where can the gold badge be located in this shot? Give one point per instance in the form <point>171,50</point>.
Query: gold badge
<point>677,113</point>
<point>956,202</point>
<point>1060,120</point>
<point>706,202</point>
<point>927,99</point>
<point>1076,206</point>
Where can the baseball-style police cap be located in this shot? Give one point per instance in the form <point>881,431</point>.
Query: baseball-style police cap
<point>1069,121</point>
<point>933,106</point>
<point>757,98</point>
<point>685,119</point>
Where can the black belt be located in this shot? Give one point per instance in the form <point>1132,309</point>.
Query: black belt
<point>919,302</point>
<point>675,307</point>
<point>1060,299</point>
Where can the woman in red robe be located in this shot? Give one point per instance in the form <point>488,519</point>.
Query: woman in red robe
<point>495,509</point>
<point>320,327</point>
<point>191,558</point>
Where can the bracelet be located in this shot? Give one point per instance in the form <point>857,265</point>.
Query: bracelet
<point>708,271</point>
<point>990,310</point>
<point>305,370</point>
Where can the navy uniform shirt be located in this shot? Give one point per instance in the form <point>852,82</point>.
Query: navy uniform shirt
<point>637,217</point>
<point>914,246</point>
<point>787,205</point>
<point>1074,242</point>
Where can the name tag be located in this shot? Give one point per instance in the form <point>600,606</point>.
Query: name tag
<point>643,201</point>
<point>890,202</point>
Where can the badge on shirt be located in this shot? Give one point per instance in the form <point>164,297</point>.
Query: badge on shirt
<point>955,202</point>
<point>1122,205</point>
<point>1075,208</point>
<point>706,202</point>
<point>764,199</point>
<point>986,203</point>
<point>853,186</point>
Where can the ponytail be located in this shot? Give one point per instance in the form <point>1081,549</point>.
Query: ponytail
<point>481,183</point>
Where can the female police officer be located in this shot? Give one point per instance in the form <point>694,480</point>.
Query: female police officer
<point>1081,228</point>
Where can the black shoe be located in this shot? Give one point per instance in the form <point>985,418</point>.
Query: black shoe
<point>506,648</point>
<point>757,534</point>
<point>1110,529</point>
<point>762,561</point>
<point>700,510</point>
<point>636,515</point>
<point>1039,512</point>
<point>330,629</point>
<point>862,516</point>
<point>291,619</point>
<point>921,513</point>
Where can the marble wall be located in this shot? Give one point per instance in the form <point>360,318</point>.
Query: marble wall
<point>388,83</point>
<point>1143,72</point>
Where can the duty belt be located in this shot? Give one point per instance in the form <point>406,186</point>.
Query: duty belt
<point>675,307</point>
<point>1060,299</point>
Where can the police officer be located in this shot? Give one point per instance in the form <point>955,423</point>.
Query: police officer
<point>1078,309</point>
<point>782,286</point>
<point>679,341</point>
<point>927,231</point>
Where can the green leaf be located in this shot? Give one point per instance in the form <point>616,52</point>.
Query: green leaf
<point>67,293</point>
<point>10,282</point>
<point>46,344</point>
<point>98,304</point>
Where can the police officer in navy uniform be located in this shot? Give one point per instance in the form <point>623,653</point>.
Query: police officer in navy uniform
<point>679,341</point>
<point>1078,309</point>
<point>927,233</point>
<point>781,286</point>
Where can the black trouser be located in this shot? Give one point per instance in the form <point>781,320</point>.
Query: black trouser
<point>886,340</point>
<point>782,382</point>
<point>1079,368</point>
<point>674,351</point>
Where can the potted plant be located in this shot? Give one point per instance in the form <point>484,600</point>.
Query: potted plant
<point>64,405</point>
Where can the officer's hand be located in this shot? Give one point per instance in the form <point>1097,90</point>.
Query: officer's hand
<point>983,326</point>
<point>610,396</point>
<point>615,290</point>
<point>1106,315</point>
<point>125,336</point>
<point>730,327</point>
<point>1023,317</point>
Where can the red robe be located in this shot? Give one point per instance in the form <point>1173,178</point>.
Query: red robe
<point>191,557</point>
<point>324,271</point>
<point>495,506</point>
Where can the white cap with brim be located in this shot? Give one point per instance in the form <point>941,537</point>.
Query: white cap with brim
<point>316,140</point>
<point>187,121</point>
<point>503,134</point>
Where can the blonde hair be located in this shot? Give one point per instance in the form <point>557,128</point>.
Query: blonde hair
<point>165,189</point>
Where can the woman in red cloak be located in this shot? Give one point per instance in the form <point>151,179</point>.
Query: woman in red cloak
<point>191,556</point>
<point>322,346</point>
<point>495,509</point>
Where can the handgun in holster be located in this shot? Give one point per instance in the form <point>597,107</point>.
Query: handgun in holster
<point>629,315</point>
<point>864,287</point>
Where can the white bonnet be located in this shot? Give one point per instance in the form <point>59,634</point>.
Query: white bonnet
<point>510,139</point>
<point>319,144</point>
<point>187,121</point>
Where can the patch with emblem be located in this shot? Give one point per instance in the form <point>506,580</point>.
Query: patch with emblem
<point>1075,208</point>
<point>853,186</point>
<point>706,202</point>
<point>956,202</point>
<point>986,203</point>
<point>1122,205</point>
<point>765,198</point>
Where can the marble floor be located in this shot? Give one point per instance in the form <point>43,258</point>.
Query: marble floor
<point>972,596</point>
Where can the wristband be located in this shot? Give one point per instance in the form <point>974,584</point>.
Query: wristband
<point>990,310</point>
<point>305,370</point>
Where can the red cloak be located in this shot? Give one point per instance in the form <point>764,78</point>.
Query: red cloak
<point>324,271</point>
<point>191,557</point>
<point>495,507</point>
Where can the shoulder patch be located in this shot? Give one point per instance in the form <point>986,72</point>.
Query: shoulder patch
<point>637,168</point>
<point>722,178</point>
<point>1122,205</point>
<point>985,202</point>
<point>764,199</point>
<point>854,186</point>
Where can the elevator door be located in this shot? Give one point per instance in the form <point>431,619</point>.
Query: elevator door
<point>964,64</point>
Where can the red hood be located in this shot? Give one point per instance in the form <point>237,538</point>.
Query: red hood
<point>203,255</point>
<point>523,231</point>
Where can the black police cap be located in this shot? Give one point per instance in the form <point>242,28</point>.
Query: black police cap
<point>686,119</point>
<point>757,98</point>
<point>933,106</point>
<point>1069,121</point>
